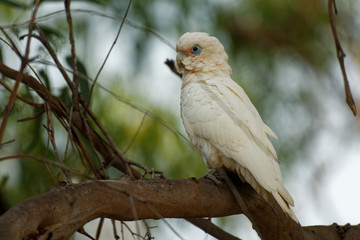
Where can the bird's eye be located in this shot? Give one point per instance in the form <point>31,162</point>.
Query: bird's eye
<point>195,50</point>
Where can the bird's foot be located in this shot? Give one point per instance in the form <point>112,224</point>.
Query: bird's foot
<point>213,175</point>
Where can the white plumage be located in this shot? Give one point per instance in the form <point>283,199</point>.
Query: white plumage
<point>221,121</point>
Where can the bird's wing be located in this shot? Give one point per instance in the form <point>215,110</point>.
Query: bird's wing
<point>222,114</point>
<point>244,113</point>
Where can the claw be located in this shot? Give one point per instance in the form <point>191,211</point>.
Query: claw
<point>212,175</point>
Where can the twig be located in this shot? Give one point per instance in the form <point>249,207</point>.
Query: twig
<point>25,100</point>
<point>108,54</point>
<point>24,62</point>
<point>83,232</point>
<point>42,38</point>
<point>43,160</point>
<point>211,228</point>
<point>31,117</point>
<point>340,56</point>
<point>87,134</point>
<point>110,140</point>
<point>75,89</point>
<point>151,208</point>
<point>99,228</point>
<point>86,155</point>
<point>133,209</point>
<point>239,199</point>
<point>100,14</point>
<point>135,135</point>
<point>7,142</point>
<point>113,223</point>
<point>12,45</point>
<point>171,64</point>
<point>146,169</point>
<point>129,103</point>
<point>51,134</point>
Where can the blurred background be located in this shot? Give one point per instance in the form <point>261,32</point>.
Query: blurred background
<point>282,53</point>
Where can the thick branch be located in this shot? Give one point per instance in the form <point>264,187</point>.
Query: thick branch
<point>63,210</point>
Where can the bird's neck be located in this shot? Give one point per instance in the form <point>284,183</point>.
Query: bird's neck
<point>201,76</point>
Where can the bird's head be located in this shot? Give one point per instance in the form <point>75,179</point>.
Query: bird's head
<point>198,52</point>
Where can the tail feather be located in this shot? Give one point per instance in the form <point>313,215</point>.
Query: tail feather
<point>285,206</point>
<point>282,196</point>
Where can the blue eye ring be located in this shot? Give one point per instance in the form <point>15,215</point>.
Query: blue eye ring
<point>195,50</point>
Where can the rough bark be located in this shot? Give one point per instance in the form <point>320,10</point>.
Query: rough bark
<point>63,210</point>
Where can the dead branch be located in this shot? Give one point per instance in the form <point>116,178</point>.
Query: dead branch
<point>341,56</point>
<point>108,54</point>
<point>24,62</point>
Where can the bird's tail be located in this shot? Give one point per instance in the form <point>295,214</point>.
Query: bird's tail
<point>281,195</point>
<point>285,200</point>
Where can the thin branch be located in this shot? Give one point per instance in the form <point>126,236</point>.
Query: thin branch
<point>19,77</point>
<point>340,56</point>
<point>75,89</point>
<point>120,155</point>
<point>46,161</point>
<point>99,228</point>
<point>171,64</point>
<point>100,14</point>
<point>12,44</point>
<point>135,215</point>
<point>42,38</point>
<point>25,100</point>
<point>113,223</point>
<point>91,141</point>
<point>31,117</point>
<point>51,134</point>
<point>86,155</point>
<point>135,135</point>
<point>240,200</point>
<point>211,228</point>
<point>108,54</point>
<point>129,103</point>
<point>158,215</point>
<point>83,232</point>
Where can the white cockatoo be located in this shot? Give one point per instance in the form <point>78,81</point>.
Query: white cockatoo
<point>222,123</point>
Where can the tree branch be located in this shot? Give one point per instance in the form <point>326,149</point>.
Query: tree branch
<point>341,56</point>
<point>110,155</point>
<point>64,210</point>
<point>24,62</point>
